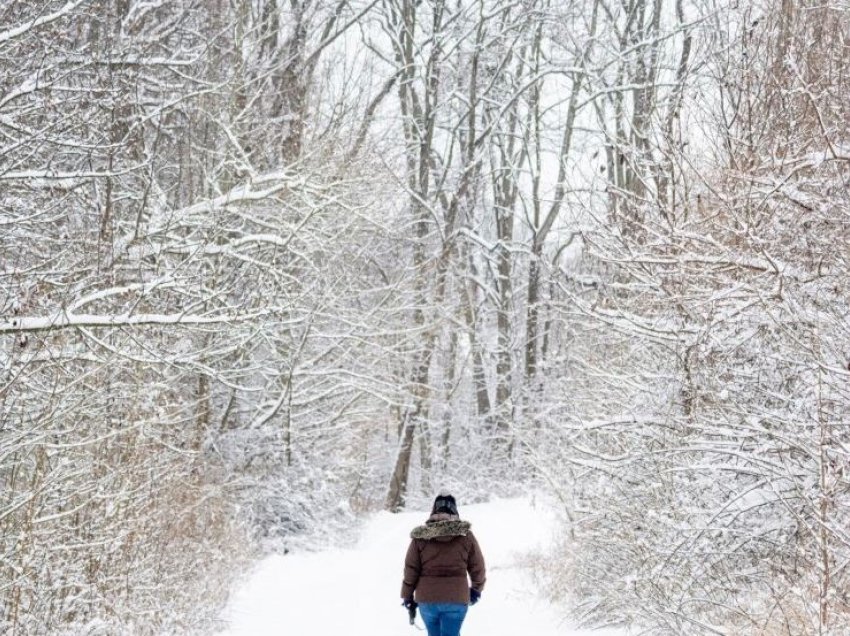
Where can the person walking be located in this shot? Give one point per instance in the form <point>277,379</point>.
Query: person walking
<point>441,554</point>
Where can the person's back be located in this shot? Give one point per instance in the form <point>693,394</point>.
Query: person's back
<point>440,556</point>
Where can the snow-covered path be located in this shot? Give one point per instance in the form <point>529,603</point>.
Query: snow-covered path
<point>356,592</point>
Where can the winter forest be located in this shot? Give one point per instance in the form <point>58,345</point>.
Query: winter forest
<point>269,265</point>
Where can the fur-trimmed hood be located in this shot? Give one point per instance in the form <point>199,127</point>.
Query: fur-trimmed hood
<point>437,529</point>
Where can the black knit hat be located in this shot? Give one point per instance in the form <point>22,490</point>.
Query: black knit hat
<point>444,503</point>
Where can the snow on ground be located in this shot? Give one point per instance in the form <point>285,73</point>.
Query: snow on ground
<point>355,592</point>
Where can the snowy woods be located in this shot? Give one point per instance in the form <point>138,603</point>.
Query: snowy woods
<point>268,264</point>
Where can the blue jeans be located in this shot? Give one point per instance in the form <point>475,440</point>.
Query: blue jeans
<point>443,619</point>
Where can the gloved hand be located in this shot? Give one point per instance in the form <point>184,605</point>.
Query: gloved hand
<point>474,596</point>
<point>411,606</point>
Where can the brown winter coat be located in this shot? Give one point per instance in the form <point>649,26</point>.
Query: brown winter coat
<point>440,555</point>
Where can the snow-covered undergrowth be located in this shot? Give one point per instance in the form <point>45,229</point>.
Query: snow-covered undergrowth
<point>356,591</point>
